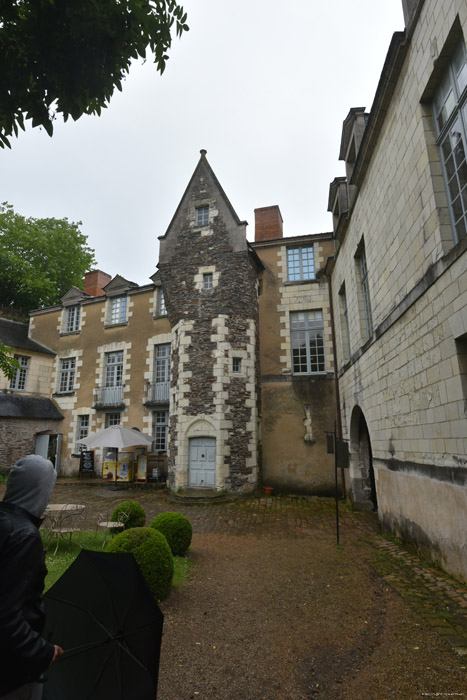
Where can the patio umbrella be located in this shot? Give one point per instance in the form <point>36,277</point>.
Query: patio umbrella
<point>116,436</point>
<point>102,613</point>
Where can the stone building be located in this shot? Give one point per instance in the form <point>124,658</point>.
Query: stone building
<point>30,421</point>
<point>399,286</point>
<point>225,358</point>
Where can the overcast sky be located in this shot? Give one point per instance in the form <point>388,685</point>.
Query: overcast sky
<point>262,85</point>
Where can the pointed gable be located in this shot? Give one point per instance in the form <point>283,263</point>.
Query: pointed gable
<point>74,296</point>
<point>118,286</point>
<point>203,202</point>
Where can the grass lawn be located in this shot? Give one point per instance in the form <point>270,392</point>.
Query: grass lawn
<point>67,553</point>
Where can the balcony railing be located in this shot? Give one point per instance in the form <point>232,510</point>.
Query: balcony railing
<point>157,392</point>
<point>108,396</point>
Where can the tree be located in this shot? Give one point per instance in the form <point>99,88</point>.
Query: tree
<point>40,259</point>
<point>68,56</point>
<point>8,364</point>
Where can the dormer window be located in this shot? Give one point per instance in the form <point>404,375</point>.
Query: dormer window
<point>117,313</point>
<point>202,216</point>
<point>72,318</point>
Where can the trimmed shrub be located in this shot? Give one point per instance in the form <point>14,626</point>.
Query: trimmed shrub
<point>176,529</point>
<point>136,517</point>
<point>152,554</point>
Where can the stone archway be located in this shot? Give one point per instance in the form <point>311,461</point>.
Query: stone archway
<point>362,474</point>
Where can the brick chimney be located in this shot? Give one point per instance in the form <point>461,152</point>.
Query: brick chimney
<point>94,281</point>
<point>268,223</point>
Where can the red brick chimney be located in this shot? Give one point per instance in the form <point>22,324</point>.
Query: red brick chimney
<point>94,281</point>
<point>268,223</point>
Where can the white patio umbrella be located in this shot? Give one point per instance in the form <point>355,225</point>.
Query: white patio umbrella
<point>116,436</point>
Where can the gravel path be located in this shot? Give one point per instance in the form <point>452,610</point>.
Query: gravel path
<point>275,610</point>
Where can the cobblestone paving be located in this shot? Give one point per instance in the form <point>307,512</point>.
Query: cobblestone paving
<point>438,598</point>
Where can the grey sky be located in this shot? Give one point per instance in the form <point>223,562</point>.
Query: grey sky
<point>263,85</point>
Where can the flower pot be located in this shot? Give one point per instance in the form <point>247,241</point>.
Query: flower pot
<point>268,490</point>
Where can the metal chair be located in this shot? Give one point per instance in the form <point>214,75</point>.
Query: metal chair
<point>65,523</point>
<point>110,526</point>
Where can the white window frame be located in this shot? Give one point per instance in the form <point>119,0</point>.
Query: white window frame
<point>300,263</point>
<point>113,418</point>
<point>364,285</point>
<point>117,310</point>
<point>160,430</point>
<point>82,431</point>
<point>307,342</point>
<point>450,118</point>
<point>72,318</point>
<point>202,216</point>
<point>208,281</point>
<point>113,372</point>
<point>66,375</point>
<point>18,382</point>
<point>161,307</point>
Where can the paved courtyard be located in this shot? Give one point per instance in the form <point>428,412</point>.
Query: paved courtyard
<point>275,609</point>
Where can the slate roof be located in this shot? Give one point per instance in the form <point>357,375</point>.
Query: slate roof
<point>15,334</point>
<point>13,406</point>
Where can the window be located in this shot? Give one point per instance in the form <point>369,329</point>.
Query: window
<point>113,368</point>
<point>66,378</point>
<point>202,216</point>
<point>162,367</point>
<point>364,293</point>
<point>450,115</point>
<point>307,339</point>
<point>236,365</point>
<point>72,318</point>
<point>207,280</point>
<point>344,324</point>
<point>300,264</point>
<point>82,432</point>
<point>18,383</point>
<point>112,419</point>
<point>161,423</point>
<point>117,310</point>
<point>161,308</point>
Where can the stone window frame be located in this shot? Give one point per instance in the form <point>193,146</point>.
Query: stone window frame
<point>315,348</point>
<point>19,379</point>
<point>199,278</point>
<point>449,109</point>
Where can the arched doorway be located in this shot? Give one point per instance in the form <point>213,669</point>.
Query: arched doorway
<point>362,474</point>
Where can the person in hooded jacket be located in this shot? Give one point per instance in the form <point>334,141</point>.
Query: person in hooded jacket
<point>24,653</point>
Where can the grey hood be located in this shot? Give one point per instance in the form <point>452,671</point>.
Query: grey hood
<point>30,484</point>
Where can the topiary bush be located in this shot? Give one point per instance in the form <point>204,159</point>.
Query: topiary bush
<point>152,554</point>
<point>176,529</point>
<point>135,515</point>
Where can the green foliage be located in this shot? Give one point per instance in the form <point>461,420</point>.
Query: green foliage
<point>177,530</point>
<point>8,364</point>
<point>40,259</point>
<point>68,56</point>
<point>134,512</point>
<point>152,554</point>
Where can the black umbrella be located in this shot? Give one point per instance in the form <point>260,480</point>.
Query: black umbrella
<point>102,613</point>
